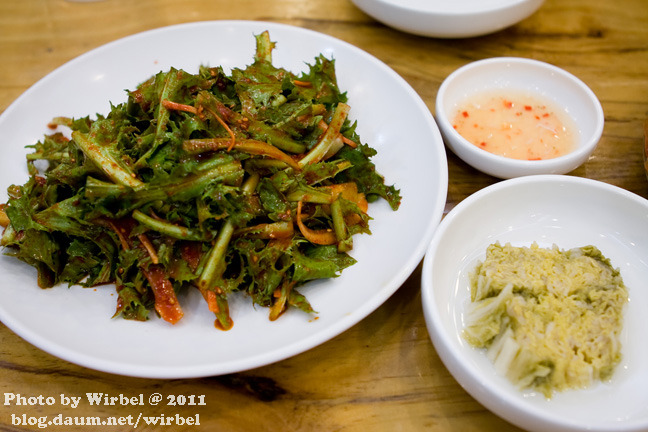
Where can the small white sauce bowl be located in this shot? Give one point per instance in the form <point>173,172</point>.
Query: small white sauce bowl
<point>567,211</point>
<point>449,18</point>
<point>534,78</point>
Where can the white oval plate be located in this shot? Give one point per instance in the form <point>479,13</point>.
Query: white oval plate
<point>548,209</point>
<point>75,324</point>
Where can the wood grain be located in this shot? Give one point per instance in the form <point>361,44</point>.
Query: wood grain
<point>383,374</point>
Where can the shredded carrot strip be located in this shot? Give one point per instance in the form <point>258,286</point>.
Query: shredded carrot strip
<point>322,124</point>
<point>166,302</point>
<point>210,298</point>
<point>302,83</point>
<point>122,239</point>
<point>178,106</point>
<point>321,237</point>
<point>349,142</point>
<point>149,248</point>
<point>245,145</point>
<point>227,128</point>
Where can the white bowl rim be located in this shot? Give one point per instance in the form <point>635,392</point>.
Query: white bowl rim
<point>488,7</point>
<point>591,140</point>
<point>468,376</point>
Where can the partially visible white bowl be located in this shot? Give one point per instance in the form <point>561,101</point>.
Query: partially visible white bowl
<point>449,18</point>
<point>549,209</point>
<point>533,77</point>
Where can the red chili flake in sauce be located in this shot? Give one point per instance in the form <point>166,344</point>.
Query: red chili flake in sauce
<point>535,132</point>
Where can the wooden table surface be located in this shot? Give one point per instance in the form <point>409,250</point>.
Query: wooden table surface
<point>383,374</point>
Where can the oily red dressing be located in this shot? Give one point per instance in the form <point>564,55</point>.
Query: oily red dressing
<point>515,125</point>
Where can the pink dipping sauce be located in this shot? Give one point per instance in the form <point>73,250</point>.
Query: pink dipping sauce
<point>515,125</point>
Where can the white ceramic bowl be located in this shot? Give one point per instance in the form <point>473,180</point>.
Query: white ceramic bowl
<point>532,77</point>
<point>449,19</point>
<point>548,209</point>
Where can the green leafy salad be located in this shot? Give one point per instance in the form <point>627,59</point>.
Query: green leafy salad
<point>252,182</point>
